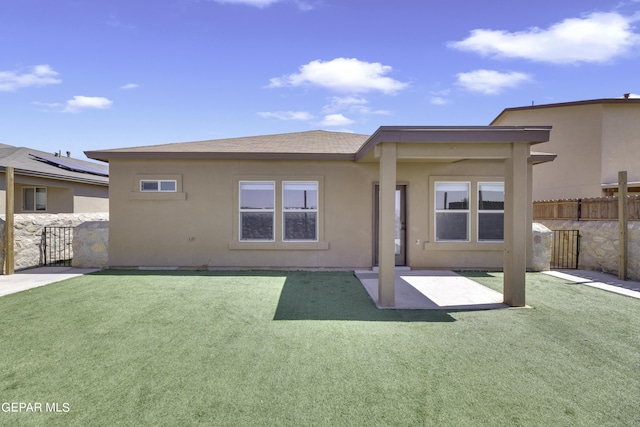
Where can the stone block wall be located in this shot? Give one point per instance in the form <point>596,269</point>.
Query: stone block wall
<point>599,245</point>
<point>28,230</point>
<point>541,251</point>
<point>91,245</point>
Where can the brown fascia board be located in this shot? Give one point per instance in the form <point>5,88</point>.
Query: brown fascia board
<point>537,158</point>
<point>457,134</point>
<point>568,104</point>
<point>106,155</point>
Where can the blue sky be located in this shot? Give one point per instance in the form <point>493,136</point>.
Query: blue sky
<point>80,75</point>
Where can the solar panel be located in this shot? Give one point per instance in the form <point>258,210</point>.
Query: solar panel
<point>69,164</point>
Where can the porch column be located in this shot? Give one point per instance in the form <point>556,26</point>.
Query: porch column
<point>517,225</point>
<point>529,214</point>
<point>387,226</point>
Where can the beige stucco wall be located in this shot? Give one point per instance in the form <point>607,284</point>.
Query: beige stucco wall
<point>62,196</point>
<point>593,143</point>
<point>620,142</point>
<point>576,138</point>
<point>85,204</point>
<point>197,227</point>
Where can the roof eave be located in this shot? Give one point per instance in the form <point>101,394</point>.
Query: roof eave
<point>457,134</point>
<point>26,172</point>
<point>629,101</point>
<point>105,156</point>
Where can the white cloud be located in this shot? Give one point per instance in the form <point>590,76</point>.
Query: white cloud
<point>302,4</point>
<point>40,75</point>
<point>490,82</point>
<point>438,100</point>
<point>114,22</point>
<point>335,120</point>
<point>256,3</point>
<point>87,102</point>
<point>594,38</point>
<point>341,103</point>
<point>130,86</point>
<point>348,75</point>
<point>351,104</point>
<point>286,115</point>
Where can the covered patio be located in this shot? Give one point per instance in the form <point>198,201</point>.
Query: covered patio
<point>510,145</point>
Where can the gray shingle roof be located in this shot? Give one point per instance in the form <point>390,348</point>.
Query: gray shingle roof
<point>27,161</point>
<point>316,143</point>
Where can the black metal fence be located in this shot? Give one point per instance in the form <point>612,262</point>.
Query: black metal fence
<point>57,246</point>
<point>565,249</point>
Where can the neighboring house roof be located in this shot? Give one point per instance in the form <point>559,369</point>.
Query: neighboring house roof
<point>322,145</point>
<point>27,161</point>
<point>608,101</point>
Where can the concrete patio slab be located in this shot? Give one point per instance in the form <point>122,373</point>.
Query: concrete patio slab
<point>434,290</point>
<point>596,279</point>
<point>36,277</point>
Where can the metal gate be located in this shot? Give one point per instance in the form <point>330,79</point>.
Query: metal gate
<point>565,249</point>
<point>57,246</point>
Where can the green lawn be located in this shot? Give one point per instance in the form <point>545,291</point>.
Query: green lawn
<point>311,349</point>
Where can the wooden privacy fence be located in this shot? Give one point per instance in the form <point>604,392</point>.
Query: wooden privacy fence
<point>591,209</point>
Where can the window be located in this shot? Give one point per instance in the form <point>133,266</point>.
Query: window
<point>34,199</point>
<point>300,211</point>
<point>257,210</point>
<point>452,211</point>
<point>490,211</point>
<point>158,185</point>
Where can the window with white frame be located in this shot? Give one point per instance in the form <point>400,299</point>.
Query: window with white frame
<point>158,185</point>
<point>300,211</point>
<point>34,199</point>
<point>452,211</point>
<point>490,211</point>
<point>257,210</point>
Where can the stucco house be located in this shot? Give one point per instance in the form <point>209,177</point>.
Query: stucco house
<point>52,183</point>
<point>594,140</point>
<point>423,197</point>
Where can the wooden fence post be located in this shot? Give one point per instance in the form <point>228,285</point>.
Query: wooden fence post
<point>9,265</point>
<point>623,218</point>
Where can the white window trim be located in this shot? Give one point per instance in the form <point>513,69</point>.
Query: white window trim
<point>437,211</point>
<point>159,182</point>
<point>316,210</point>
<point>35,203</point>
<point>486,212</point>
<point>241,211</point>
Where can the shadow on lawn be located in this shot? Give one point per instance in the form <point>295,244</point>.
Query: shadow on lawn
<point>313,295</point>
<point>340,296</point>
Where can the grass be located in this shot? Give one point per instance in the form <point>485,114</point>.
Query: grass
<point>301,348</point>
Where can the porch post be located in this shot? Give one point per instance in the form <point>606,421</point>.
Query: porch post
<point>517,225</point>
<point>386,223</point>
<point>529,214</point>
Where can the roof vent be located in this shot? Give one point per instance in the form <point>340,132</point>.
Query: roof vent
<point>626,95</point>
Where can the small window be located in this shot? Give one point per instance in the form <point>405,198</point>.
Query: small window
<point>452,211</point>
<point>490,211</point>
<point>34,199</point>
<point>300,211</point>
<point>158,185</point>
<point>257,210</point>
